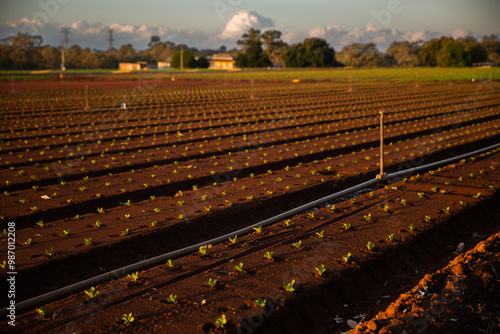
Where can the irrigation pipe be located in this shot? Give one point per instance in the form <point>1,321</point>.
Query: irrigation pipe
<point>160,259</point>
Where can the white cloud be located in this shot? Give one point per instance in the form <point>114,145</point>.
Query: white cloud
<point>241,22</point>
<point>459,32</point>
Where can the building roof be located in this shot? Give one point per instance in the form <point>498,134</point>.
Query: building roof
<point>222,57</point>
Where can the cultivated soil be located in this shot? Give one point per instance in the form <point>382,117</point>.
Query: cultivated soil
<point>213,175</point>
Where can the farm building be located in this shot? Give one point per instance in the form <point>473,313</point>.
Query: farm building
<point>164,64</point>
<point>139,65</point>
<point>222,61</point>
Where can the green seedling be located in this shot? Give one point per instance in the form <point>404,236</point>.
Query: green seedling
<point>333,208</point>
<point>127,318</point>
<point>297,244</point>
<point>370,245</point>
<point>40,223</point>
<point>258,230</point>
<point>97,223</point>
<point>208,208</point>
<point>289,286</point>
<point>371,193</point>
<point>421,195</point>
<point>435,189</point>
<point>233,240</point>
<point>368,217</point>
<point>27,242</point>
<point>153,223</point>
<point>250,198</point>
<point>411,228</point>
<point>125,231</point>
<point>49,252</point>
<point>403,201</point>
<point>386,208</point>
<point>288,223</point>
<point>42,311</point>
<point>221,321</point>
<point>477,195</point>
<point>260,302</point>
<point>65,232</point>
<point>463,204</point>
<point>203,250</point>
<point>491,187</point>
<point>182,217</point>
<point>346,226</point>
<point>269,256</point>
<point>88,242</point>
<point>100,210</point>
<point>3,264</point>
<point>180,203</point>
<point>353,200</point>
<point>23,201</point>
<point>320,270</point>
<point>446,210</point>
<point>134,276</point>
<point>172,299</point>
<point>390,237</point>
<point>239,267</point>
<point>321,234</point>
<point>157,210</point>
<point>211,282</point>
<point>34,208</point>
<point>427,218</point>
<point>152,197</point>
<point>92,292</point>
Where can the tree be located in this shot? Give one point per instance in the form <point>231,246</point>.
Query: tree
<point>492,45</point>
<point>51,57</point>
<point>273,46</point>
<point>188,60</point>
<point>359,55</point>
<point>312,52</point>
<point>21,51</point>
<point>155,39</point>
<point>202,62</point>
<point>252,54</point>
<point>477,52</point>
<point>453,54</point>
<point>404,54</point>
<point>429,52</point>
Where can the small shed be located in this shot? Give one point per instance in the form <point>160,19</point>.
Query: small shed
<point>222,61</point>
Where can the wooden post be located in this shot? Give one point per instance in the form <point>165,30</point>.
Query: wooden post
<point>252,90</point>
<point>382,174</point>
<point>86,97</point>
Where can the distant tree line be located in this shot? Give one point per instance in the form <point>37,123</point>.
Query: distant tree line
<point>257,49</point>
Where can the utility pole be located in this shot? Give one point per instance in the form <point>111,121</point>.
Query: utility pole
<point>110,38</point>
<point>381,175</point>
<point>64,45</point>
<point>182,57</point>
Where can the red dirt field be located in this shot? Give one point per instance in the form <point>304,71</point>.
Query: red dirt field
<point>188,161</point>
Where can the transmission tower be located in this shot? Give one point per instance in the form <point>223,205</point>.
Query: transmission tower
<point>64,46</point>
<point>110,38</point>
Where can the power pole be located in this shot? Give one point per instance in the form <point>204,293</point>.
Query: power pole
<point>110,38</point>
<point>182,57</point>
<point>64,45</point>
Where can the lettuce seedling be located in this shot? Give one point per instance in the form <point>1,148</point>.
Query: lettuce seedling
<point>221,321</point>
<point>211,282</point>
<point>260,302</point>
<point>421,195</point>
<point>446,210</point>
<point>239,267</point>
<point>390,237</point>
<point>346,257</point>
<point>268,255</point>
<point>127,318</point>
<point>321,234</point>
<point>97,223</point>
<point>27,243</point>
<point>134,276</point>
<point>172,299</point>
<point>42,311</point>
<point>88,242</point>
<point>346,226</point>
<point>233,240</point>
<point>368,217</point>
<point>288,223</point>
<point>289,286</point>
<point>92,292</point>
<point>411,228</point>
<point>370,245</point>
<point>297,244</point>
<point>203,250</point>
<point>65,232</point>
<point>320,270</point>
<point>333,208</point>
<point>100,210</point>
<point>477,195</point>
<point>258,230</point>
<point>49,252</point>
<point>428,218</point>
<point>153,223</point>
<point>125,232</point>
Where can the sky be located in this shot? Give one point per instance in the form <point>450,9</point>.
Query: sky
<point>212,23</point>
